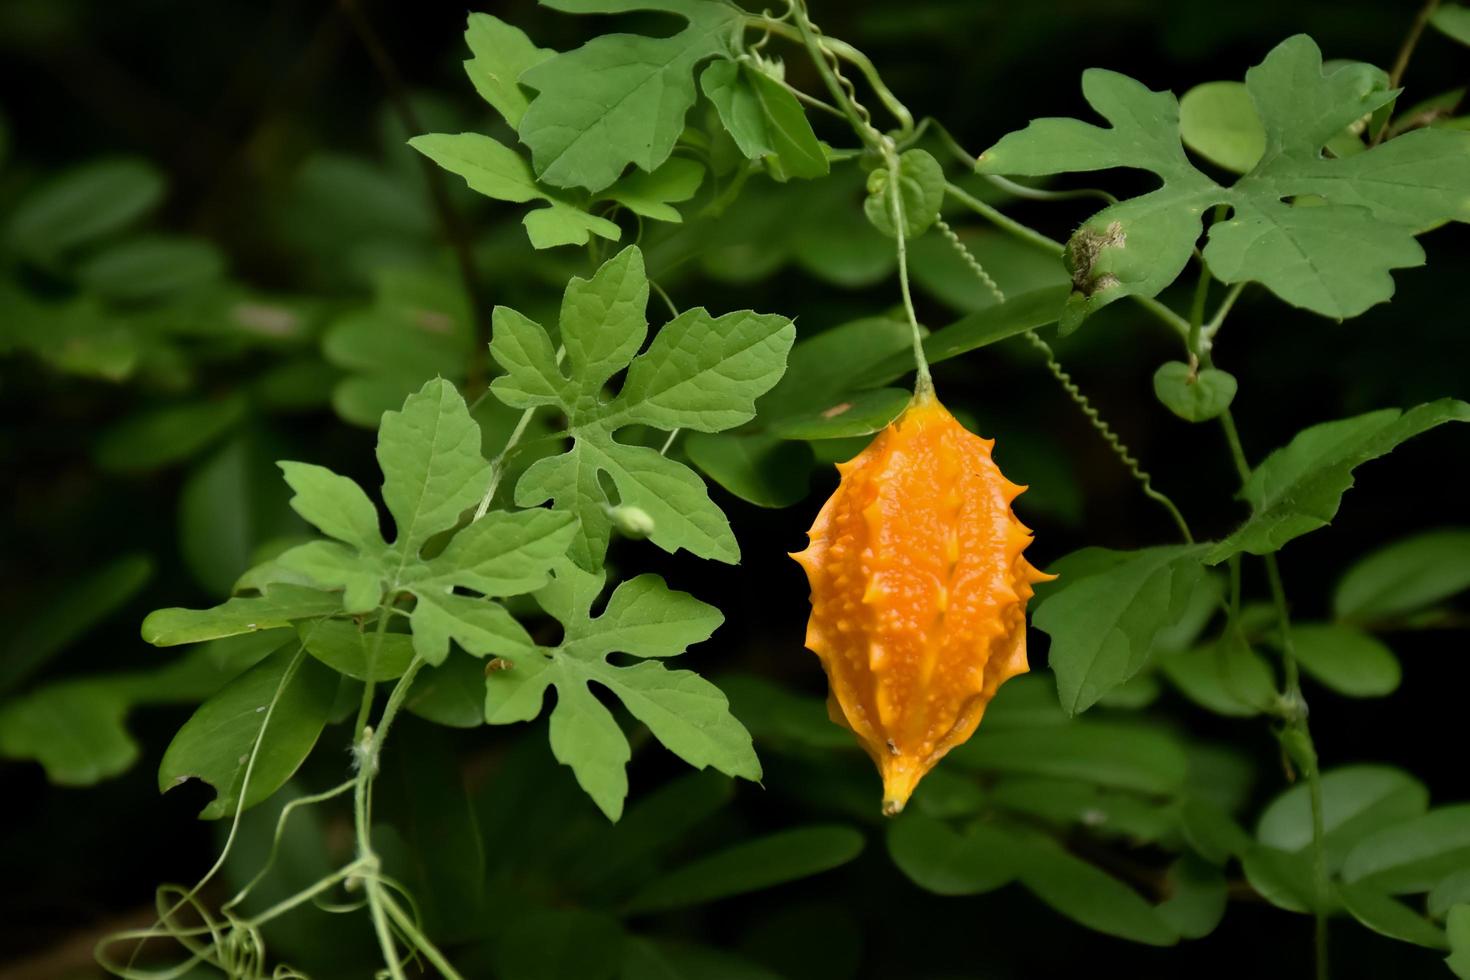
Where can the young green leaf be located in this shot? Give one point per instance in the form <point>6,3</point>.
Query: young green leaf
<point>619,98</point>
<point>1194,395</point>
<point>280,604</point>
<point>645,619</point>
<point>1405,577</point>
<point>1334,259</point>
<point>701,373</point>
<point>1102,626</point>
<point>495,170</point>
<point>502,53</point>
<point>1299,487</point>
<point>262,725</point>
<point>432,473</point>
<point>1218,121</point>
<point>764,119</point>
<point>920,189</point>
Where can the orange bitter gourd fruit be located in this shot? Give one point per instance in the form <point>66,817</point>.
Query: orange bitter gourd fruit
<point>918,591</point>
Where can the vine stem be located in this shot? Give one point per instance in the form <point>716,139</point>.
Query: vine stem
<point>1296,717</point>
<point>369,747</point>
<point>1306,757</point>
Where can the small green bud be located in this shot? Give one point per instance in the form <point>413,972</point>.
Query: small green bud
<point>631,522</point>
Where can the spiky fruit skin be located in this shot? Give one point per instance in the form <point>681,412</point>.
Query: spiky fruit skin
<point>919,591</point>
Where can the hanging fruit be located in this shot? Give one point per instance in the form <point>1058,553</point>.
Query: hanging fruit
<point>918,591</point>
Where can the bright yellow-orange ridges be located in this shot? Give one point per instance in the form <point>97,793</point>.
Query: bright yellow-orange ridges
<point>919,592</point>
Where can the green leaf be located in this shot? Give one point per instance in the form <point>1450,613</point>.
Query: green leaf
<point>1211,831</point>
<point>417,328</point>
<point>83,204</point>
<point>1102,626</point>
<point>1002,321</point>
<point>1283,878</point>
<point>760,469</point>
<point>1453,21</point>
<point>653,195</point>
<point>1405,577</point>
<point>1082,803</point>
<point>1299,487</point>
<point>432,468</point>
<point>280,605</point>
<point>1412,856</point>
<point>161,436</point>
<point>948,862</point>
<point>422,794</point>
<point>152,268</point>
<point>347,649</point>
<point>860,415</point>
<point>643,618</point>
<point>432,473</point>
<point>1346,659</point>
<point>1227,676</point>
<point>229,506</point>
<point>451,694</point>
<point>1088,895</point>
<point>497,171</point>
<point>1196,903</point>
<point>1194,395</point>
<point>701,372</point>
<point>1356,802</point>
<point>1218,121</point>
<point>764,119</point>
<point>751,866</point>
<point>1457,930</point>
<point>619,98</point>
<point>559,944</point>
<point>69,609</point>
<point>823,369</point>
<point>669,960</point>
<point>502,52</point>
<point>1451,891</point>
<point>1121,756</point>
<point>921,192</point>
<point>262,725</point>
<point>1389,917</point>
<point>1334,258</point>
